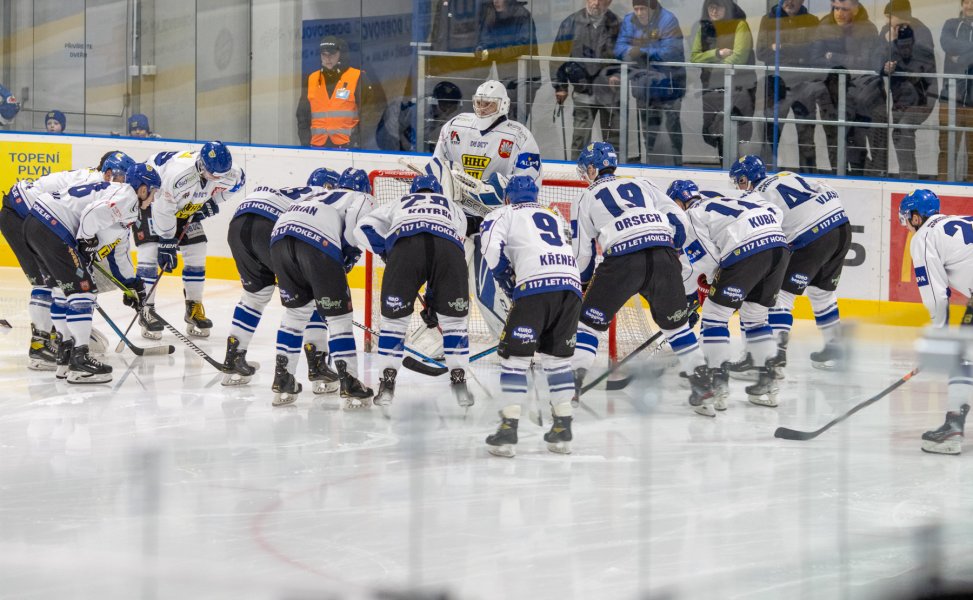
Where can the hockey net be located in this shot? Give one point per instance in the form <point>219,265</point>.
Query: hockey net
<point>628,330</point>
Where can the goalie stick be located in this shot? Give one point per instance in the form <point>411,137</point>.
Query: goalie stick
<point>480,210</point>
<point>161,350</point>
<point>792,434</point>
<point>434,369</point>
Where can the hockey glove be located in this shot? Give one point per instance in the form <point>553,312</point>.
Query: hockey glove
<point>209,209</point>
<point>167,254</point>
<point>89,248</point>
<point>702,288</point>
<point>429,317</point>
<point>137,296</point>
<point>351,254</point>
<point>692,301</point>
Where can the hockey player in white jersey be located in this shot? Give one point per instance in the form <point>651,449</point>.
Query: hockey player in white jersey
<point>638,229</point>
<point>47,303</point>
<point>66,232</point>
<point>193,186</point>
<point>420,238</point>
<point>249,239</point>
<point>942,256</point>
<point>819,235</point>
<point>533,265</point>
<point>312,248</point>
<point>740,247</point>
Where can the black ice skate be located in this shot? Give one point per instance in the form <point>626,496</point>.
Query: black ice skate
<point>84,369</point>
<point>579,375</point>
<point>948,439</point>
<point>559,437</point>
<point>319,372</point>
<point>236,369</point>
<point>457,383</point>
<point>764,392</point>
<point>197,325</point>
<point>504,441</point>
<point>780,361</point>
<point>743,369</point>
<point>828,359</point>
<point>285,388</point>
<point>152,327</point>
<point>64,348</point>
<point>40,356</point>
<point>386,388</point>
<point>356,395</point>
<point>701,390</point>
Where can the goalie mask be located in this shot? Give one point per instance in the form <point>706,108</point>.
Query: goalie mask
<point>490,102</point>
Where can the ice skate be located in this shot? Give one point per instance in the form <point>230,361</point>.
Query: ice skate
<point>84,369</point>
<point>701,391</point>
<point>504,441</point>
<point>319,372</point>
<point>743,369</point>
<point>285,387</point>
<point>356,395</point>
<point>152,327</point>
<point>948,439</point>
<point>828,359</point>
<point>64,348</point>
<point>236,369</point>
<point>197,325</point>
<point>559,437</point>
<point>780,361</point>
<point>764,392</point>
<point>721,387</point>
<point>457,383</point>
<point>386,388</point>
<point>579,375</point>
<point>40,356</point>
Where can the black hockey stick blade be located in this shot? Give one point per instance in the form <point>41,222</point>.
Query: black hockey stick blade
<point>420,367</point>
<point>137,350</point>
<point>792,434</point>
<point>622,383</point>
<point>618,384</point>
<point>5,324</point>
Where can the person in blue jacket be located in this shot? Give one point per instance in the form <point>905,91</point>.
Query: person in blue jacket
<point>9,107</point>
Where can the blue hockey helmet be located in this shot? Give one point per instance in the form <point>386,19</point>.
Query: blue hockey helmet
<point>923,202</point>
<point>600,155</point>
<point>118,163</point>
<point>748,166</point>
<point>323,177</point>
<point>355,179</point>
<point>140,174</point>
<point>684,190</point>
<point>215,158</point>
<point>426,183</point>
<point>520,189</point>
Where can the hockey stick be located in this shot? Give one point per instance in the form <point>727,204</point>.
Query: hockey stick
<point>480,210</point>
<point>161,350</point>
<point>185,340</point>
<point>792,434</point>
<point>5,326</point>
<point>410,363</point>
<point>621,383</point>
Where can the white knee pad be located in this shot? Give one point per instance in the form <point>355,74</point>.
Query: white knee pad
<point>820,299</point>
<point>258,300</point>
<point>785,300</point>
<point>751,312</point>
<point>194,255</point>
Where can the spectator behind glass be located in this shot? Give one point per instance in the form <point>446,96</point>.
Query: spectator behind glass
<point>138,127</point>
<point>846,39</point>
<point>793,91</point>
<point>9,107</point>
<point>507,32</point>
<point>651,34</point>
<point>957,43</point>
<point>723,36</point>
<point>906,47</point>
<point>55,121</point>
<point>589,33</point>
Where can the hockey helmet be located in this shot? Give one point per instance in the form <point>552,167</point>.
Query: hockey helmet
<point>447,91</point>
<point>323,177</point>
<point>748,166</point>
<point>356,180</point>
<point>490,92</point>
<point>684,190</point>
<point>215,158</point>
<point>426,183</point>
<point>600,155</point>
<point>520,189</point>
<point>118,163</point>
<point>140,174</point>
<point>923,202</point>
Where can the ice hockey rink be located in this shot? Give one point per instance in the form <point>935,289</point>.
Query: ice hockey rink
<point>164,484</point>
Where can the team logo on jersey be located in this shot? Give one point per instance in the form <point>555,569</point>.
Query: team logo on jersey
<point>799,279</point>
<point>474,165</point>
<point>529,160</point>
<point>524,334</point>
<point>595,316</point>
<point>459,305</point>
<point>506,148</point>
<point>733,293</point>
<point>454,137</point>
<point>922,278</point>
<point>84,285</point>
<point>394,303</point>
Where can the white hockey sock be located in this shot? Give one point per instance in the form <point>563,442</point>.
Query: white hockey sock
<point>290,335</point>
<point>246,315</point>
<point>148,266</point>
<point>781,316</point>
<point>685,345</point>
<point>715,331</point>
<point>80,309</point>
<point>194,271</point>
<point>39,308</point>
<point>960,389</point>
<point>825,306</point>
<point>560,378</point>
<point>513,378</point>
<point>59,313</point>
<point>757,332</point>
<point>586,347</point>
<point>341,342</point>
<point>456,341</point>
<point>391,342</point>
<point>316,332</point>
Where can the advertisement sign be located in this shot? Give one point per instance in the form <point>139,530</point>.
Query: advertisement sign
<point>30,160</point>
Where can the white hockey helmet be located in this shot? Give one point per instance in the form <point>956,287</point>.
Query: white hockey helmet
<point>490,102</point>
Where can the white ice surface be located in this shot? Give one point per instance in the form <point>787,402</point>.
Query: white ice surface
<point>163,484</point>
